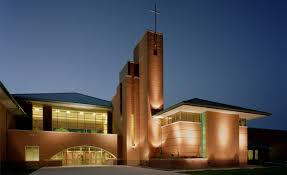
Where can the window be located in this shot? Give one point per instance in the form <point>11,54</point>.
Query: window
<point>242,122</point>
<point>37,117</point>
<point>181,116</point>
<point>31,153</point>
<point>66,120</point>
<point>250,154</point>
<point>84,155</point>
<point>256,155</point>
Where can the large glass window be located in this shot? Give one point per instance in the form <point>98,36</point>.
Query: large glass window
<point>31,153</point>
<point>37,117</point>
<point>84,155</point>
<point>181,116</point>
<point>79,121</point>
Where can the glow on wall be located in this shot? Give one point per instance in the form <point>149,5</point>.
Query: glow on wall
<point>133,130</point>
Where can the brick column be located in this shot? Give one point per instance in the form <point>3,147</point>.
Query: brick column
<point>47,118</point>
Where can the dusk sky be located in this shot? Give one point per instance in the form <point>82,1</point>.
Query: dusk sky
<point>232,51</point>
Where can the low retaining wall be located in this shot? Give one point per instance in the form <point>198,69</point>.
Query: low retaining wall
<point>184,163</point>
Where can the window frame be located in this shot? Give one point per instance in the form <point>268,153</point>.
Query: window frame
<point>32,146</point>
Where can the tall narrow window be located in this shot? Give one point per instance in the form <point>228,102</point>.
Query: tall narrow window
<point>256,155</point>
<point>250,154</point>
<point>37,117</point>
<point>31,153</point>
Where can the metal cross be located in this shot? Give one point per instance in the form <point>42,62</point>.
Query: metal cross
<point>155,12</point>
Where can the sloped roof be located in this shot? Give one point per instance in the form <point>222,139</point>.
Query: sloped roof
<point>214,105</point>
<point>9,102</point>
<point>68,97</point>
<point>206,103</point>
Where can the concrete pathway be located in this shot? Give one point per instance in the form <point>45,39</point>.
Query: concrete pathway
<point>100,170</point>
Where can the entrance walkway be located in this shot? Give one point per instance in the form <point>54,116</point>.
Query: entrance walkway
<point>100,170</point>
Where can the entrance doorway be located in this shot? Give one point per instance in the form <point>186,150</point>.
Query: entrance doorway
<point>84,155</point>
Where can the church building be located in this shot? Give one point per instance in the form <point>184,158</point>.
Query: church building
<point>134,128</point>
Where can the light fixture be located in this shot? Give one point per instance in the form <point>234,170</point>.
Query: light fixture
<point>94,114</point>
<point>81,113</point>
<point>68,112</point>
<point>57,110</point>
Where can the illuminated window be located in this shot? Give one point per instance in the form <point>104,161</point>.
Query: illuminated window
<point>250,154</point>
<point>31,153</point>
<point>242,122</point>
<point>256,155</point>
<point>84,155</point>
<point>79,121</point>
<point>37,117</point>
<point>181,116</point>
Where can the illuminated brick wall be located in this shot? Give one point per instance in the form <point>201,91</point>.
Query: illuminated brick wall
<point>139,95</point>
<point>126,114</point>
<point>243,144</point>
<point>182,139</point>
<point>222,138</point>
<point>150,92</point>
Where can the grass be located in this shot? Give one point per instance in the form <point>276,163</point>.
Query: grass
<point>255,171</point>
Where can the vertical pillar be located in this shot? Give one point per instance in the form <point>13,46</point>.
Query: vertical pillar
<point>47,118</point>
<point>110,122</point>
<point>203,133</point>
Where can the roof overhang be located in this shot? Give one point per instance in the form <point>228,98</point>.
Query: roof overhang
<point>202,109</point>
<point>9,102</point>
<point>70,105</point>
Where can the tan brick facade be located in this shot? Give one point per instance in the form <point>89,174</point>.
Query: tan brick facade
<point>51,142</point>
<point>182,139</point>
<point>222,138</point>
<point>139,94</point>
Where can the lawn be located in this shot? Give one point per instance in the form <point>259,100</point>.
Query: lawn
<point>255,171</point>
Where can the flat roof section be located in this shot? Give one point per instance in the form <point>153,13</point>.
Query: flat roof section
<point>197,105</point>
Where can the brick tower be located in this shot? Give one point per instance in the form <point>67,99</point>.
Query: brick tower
<point>140,95</point>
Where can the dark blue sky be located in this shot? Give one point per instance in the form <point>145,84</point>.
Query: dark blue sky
<point>232,51</point>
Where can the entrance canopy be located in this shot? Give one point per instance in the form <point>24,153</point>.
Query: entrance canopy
<point>197,105</point>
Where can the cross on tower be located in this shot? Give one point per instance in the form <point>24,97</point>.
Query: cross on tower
<point>155,12</point>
